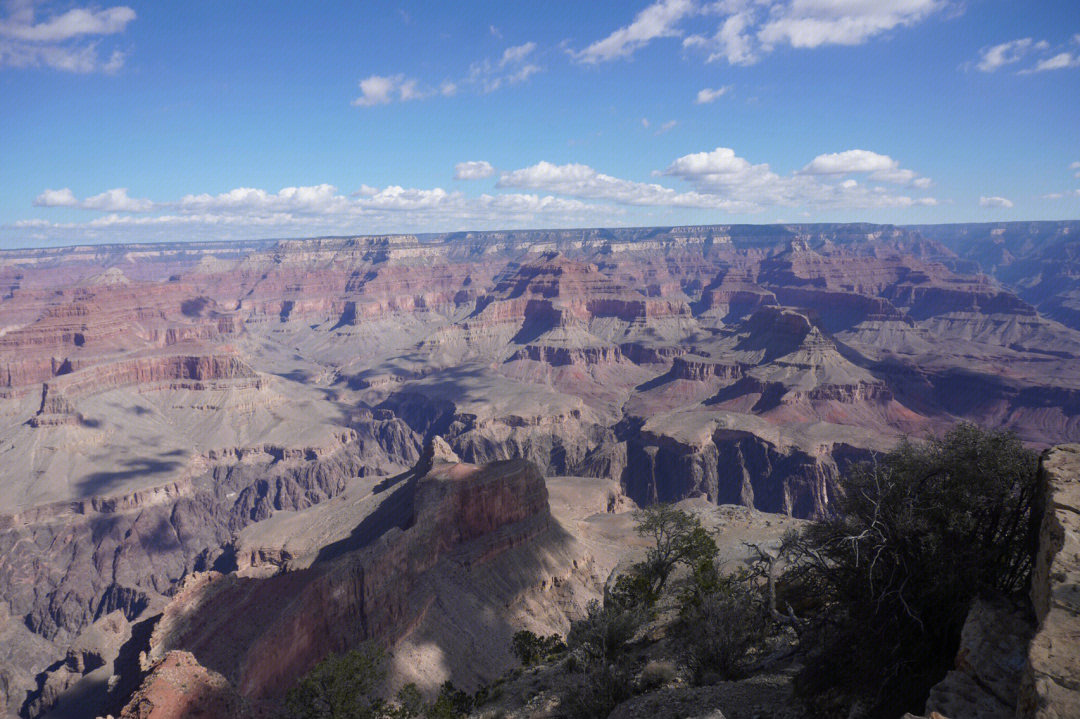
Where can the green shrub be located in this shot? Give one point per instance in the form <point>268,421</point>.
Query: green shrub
<point>342,686</point>
<point>451,703</point>
<point>410,702</point>
<point>604,632</point>
<point>719,624</point>
<point>655,674</point>
<point>914,539</point>
<point>531,649</point>
<point>678,538</point>
<point>599,689</point>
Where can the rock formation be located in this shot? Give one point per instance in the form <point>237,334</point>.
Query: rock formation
<point>161,403</point>
<point>1051,680</point>
<point>1012,664</point>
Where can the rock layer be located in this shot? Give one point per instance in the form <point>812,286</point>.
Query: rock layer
<point>1051,683</point>
<point>159,402</point>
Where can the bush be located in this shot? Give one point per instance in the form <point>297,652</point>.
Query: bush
<point>531,649</point>
<point>915,538</point>
<point>678,538</point>
<point>656,674</point>
<point>718,628</point>
<point>604,632</point>
<point>340,687</point>
<point>410,702</point>
<point>600,689</point>
<point>451,703</point>
<point>599,644</point>
<point>344,686</point>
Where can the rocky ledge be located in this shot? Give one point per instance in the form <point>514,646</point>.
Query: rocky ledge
<point>1002,670</point>
<point>1051,683</point>
<point>376,582</point>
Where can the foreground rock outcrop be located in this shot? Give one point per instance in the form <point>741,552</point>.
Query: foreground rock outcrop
<point>1051,683</point>
<point>1014,662</point>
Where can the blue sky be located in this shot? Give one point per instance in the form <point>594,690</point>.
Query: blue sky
<point>167,120</point>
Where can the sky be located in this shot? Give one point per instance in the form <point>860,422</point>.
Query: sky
<point>170,121</point>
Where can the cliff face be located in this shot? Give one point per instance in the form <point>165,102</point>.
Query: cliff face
<point>64,567</point>
<point>1012,664</point>
<point>262,633</point>
<point>758,469</point>
<point>1051,681</point>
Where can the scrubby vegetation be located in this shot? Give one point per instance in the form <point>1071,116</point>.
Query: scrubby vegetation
<point>913,540</point>
<point>870,600</point>
<point>720,618</point>
<point>345,686</point>
<point>531,649</point>
<point>342,686</point>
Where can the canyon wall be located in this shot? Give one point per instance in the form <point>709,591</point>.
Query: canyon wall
<point>157,401</point>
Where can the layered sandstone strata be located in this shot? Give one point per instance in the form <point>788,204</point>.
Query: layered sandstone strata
<point>262,633</point>
<point>742,363</point>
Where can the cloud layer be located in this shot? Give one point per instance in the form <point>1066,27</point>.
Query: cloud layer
<point>514,66</point>
<point>1035,56</point>
<point>475,170</point>
<point>68,41</point>
<point>544,193</point>
<point>747,29</point>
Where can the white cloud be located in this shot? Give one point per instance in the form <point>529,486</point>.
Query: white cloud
<point>512,68</point>
<point>316,198</point>
<point>1075,166</point>
<point>248,212</point>
<point>812,23</point>
<point>578,180</point>
<point>384,89</point>
<point>707,95</point>
<point>531,204</point>
<point>56,198</point>
<point>1060,195</point>
<point>543,194</point>
<point>995,202</point>
<point>73,23</point>
<point>656,21</point>
<point>474,170</point>
<point>723,173</point>
<point>733,40</point>
<point>1007,53</point>
<point>68,41</point>
<point>720,179</point>
<point>115,200</point>
<point>849,161</point>
<point>1060,61</point>
<point>667,127</point>
<point>1012,52</point>
<point>749,28</point>
<point>516,53</point>
<point>880,167</point>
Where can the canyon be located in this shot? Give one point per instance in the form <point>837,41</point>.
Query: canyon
<point>187,425</point>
